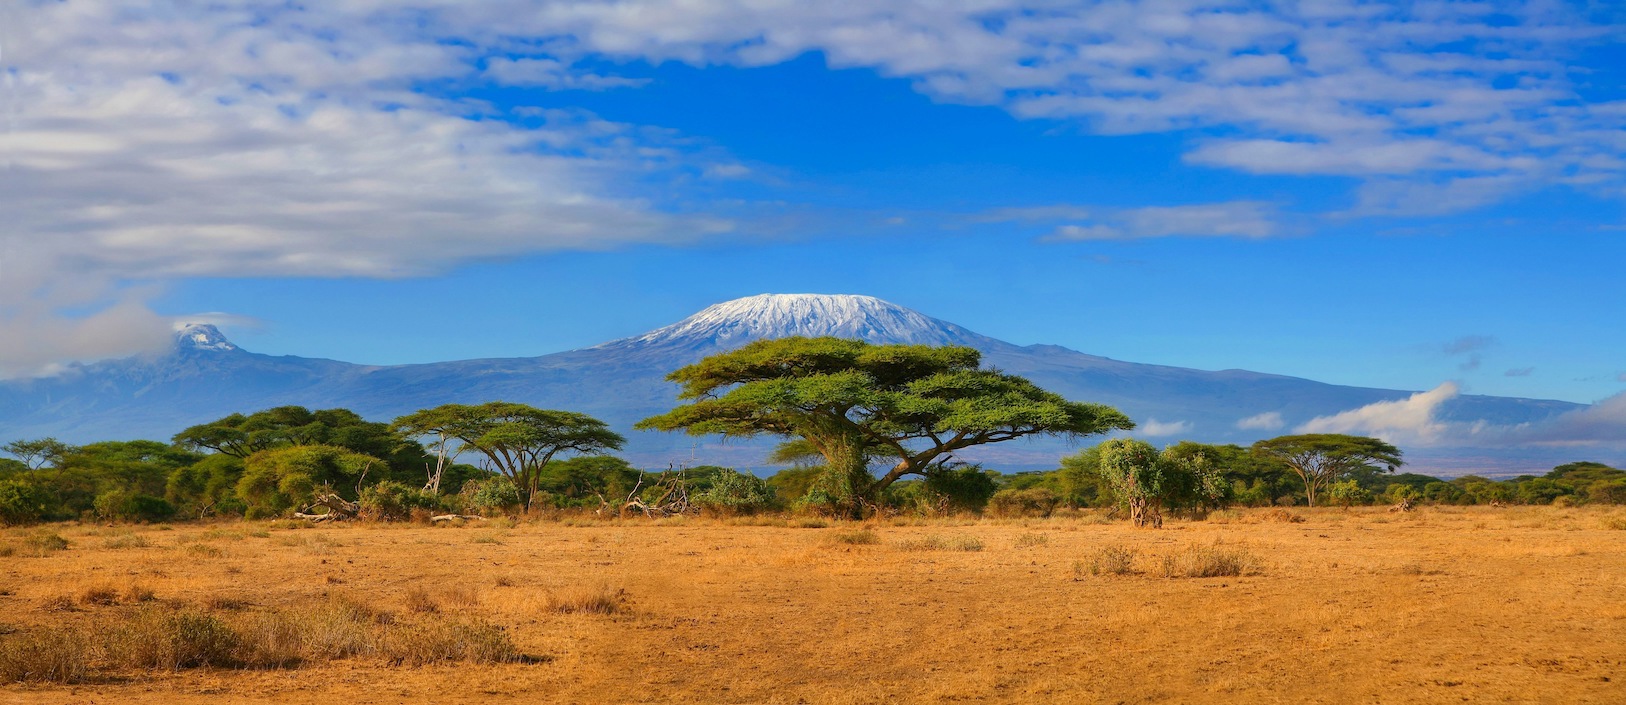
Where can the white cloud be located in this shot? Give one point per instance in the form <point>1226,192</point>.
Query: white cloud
<point>1409,420</point>
<point>551,73</point>
<point>1417,420</point>
<point>263,139</point>
<point>1155,428</point>
<point>1244,219</point>
<point>1268,421</point>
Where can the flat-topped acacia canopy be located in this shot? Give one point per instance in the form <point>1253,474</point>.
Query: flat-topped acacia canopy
<point>853,401</point>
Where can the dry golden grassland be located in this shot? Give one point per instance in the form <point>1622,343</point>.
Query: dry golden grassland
<point>1446,604</point>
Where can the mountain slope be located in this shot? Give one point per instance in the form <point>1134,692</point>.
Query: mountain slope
<point>622,381</point>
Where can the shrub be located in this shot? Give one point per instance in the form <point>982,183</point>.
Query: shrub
<point>45,656</point>
<point>598,599</point>
<point>1209,562</point>
<point>393,501</point>
<point>124,505</point>
<point>437,641</point>
<point>126,541</point>
<point>44,543</point>
<point>100,595</point>
<point>21,502</point>
<point>162,639</point>
<point>1280,516</point>
<point>940,543</point>
<point>1349,492</point>
<point>1031,539</point>
<point>493,494</point>
<point>1035,502</point>
<point>1111,560</point>
<point>734,492</point>
<point>855,538</point>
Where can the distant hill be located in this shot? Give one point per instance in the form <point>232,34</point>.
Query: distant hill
<point>205,376</point>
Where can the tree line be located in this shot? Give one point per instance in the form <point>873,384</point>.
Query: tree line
<point>865,429</point>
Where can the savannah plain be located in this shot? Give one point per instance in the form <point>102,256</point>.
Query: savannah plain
<point>1444,604</point>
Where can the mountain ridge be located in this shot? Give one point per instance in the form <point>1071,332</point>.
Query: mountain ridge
<point>206,376</point>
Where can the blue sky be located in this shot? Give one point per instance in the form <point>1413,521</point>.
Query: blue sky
<point>1381,194</point>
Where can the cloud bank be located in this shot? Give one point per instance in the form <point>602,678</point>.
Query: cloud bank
<point>1417,420</point>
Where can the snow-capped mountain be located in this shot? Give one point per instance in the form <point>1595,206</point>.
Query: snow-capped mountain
<point>205,377</point>
<point>732,324</point>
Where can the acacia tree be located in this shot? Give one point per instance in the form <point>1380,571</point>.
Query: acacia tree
<point>1320,459</point>
<point>1145,481</point>
<point>913,405</point>
<point>514,439</point>
<point>36,453</point>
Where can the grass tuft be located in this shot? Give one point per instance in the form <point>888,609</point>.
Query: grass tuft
<point>1209,562</point>
<point>1110,560</point>
<point>942,543</point>
<point>1030,540</point>
<point>862,537</point>
<point>597,599</point>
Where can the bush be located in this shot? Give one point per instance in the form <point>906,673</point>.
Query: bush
<point>492,494</point>
<point>940,543</point>
<point>44,543</point>
<point>158,638</point>
<point>393,501</point>
<point>1209,562</point>
<point>1036,502</point>
<point>124,505</point>
<point>434,642</point>
<point>597,599</point>
<point>21,502</point>
<point>855,538</point>
<point>1111,560</point>
<point>733,493</point>
<point>45,656</point>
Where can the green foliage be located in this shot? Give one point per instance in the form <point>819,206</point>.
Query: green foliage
<point>279,480</point>
<point>38,453</point>
<point>854,402</point>
<point>491,494</point>
<point>206,488</point>
<point>1320,459</point>
<point>126,505</point>
<point>516,440</point>
<point>581,481</point>
<point>733,493</point>
<point>1349,492</point>
<point>21,502</point>
<point>393,501</point>
<point>1133,471</point>
<point>792,484</point>
<point>1031,502</point>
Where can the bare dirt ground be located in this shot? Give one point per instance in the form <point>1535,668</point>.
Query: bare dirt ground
<point>1520,605</point>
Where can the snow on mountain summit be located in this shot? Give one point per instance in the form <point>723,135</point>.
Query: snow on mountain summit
<point>734,323</point>
<point>201,336</point>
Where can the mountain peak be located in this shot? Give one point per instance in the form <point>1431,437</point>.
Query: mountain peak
<point>731,324</point>
<point>201,336</point>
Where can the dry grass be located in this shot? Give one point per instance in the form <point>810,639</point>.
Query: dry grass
<point>595,599</point>
<point>959,542</point>
<point>1209,562</point>
<point>1444,605</point>
<point>862,537</point>
<point>1109,560</point>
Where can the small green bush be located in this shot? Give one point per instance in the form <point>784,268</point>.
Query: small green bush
<point>43,543</point>
<point>1034,502</point>
<point>493,494</point>
<point>393,501</point>
<point>21,502</point>
<point>732,493</point>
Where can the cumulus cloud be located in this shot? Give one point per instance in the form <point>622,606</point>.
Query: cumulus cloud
<point>1409,420</point>
<point>1268,421</point>
<point>1417,420</point>
<point>265,139</point>
<point>1442,106</point>
<point>145,141</point>
<point>1155,428</point>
